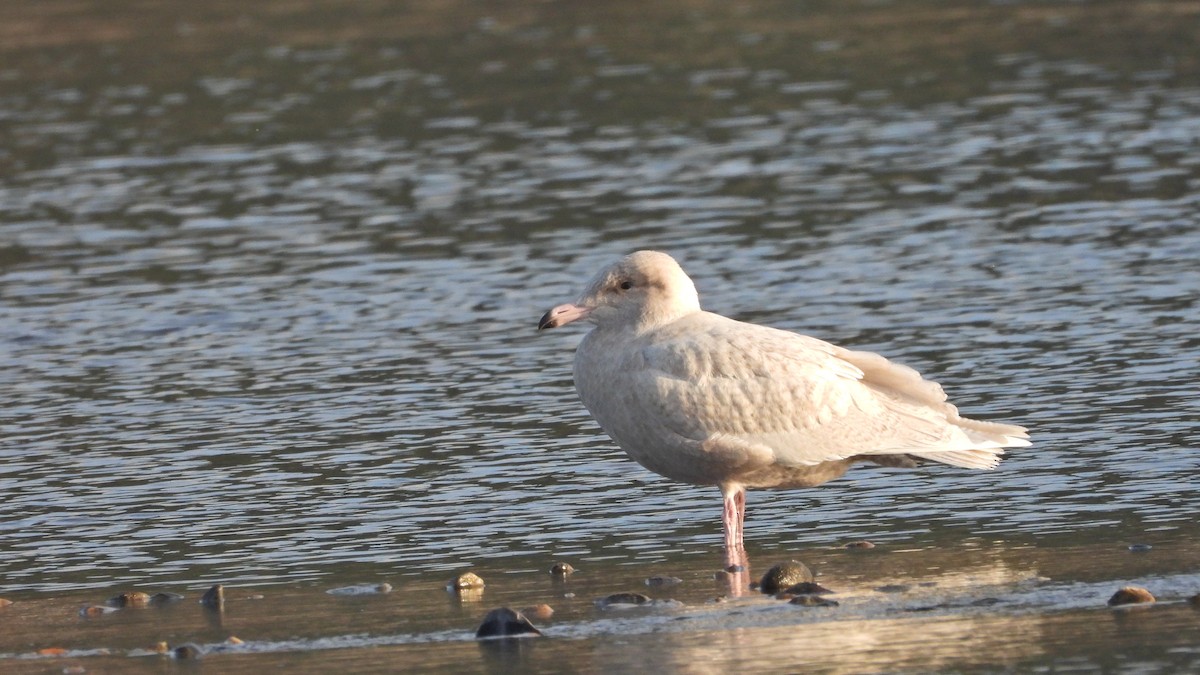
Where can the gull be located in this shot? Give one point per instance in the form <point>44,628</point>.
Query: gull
<point>704,399</point>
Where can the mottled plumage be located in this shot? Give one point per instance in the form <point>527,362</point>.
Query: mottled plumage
<point>704,399</point>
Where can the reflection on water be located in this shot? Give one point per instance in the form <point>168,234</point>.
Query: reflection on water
<point>267,300</point>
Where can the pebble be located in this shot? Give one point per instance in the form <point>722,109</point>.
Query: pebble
<point>96,610</point>
<point>860,545</point>
<point>465,581</point>
<point>621,600</point>
<point>783,576</point>
<point>506,623</point>
<point>214,598</point>
<point>52,651</point>
<point>132,599</point>
<point>807,588</point>
<point>161,599</point>
<point>5,603</point>
<point>663,581</point>
<point>235,640</point>
<point>540,612</point>
<point>1130,595</point>
<point>812,601</point>
<point>561,569</point>
<point>188,651</point>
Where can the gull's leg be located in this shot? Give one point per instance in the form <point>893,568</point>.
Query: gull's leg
<point>737,564</point>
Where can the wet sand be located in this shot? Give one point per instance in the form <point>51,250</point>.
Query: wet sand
<point>975,606</point>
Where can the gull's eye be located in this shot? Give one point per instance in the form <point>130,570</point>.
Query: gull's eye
<point>626,285</point>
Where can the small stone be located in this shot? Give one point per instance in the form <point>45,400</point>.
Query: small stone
<point>812,601</point>
<point>663,581</point>
<point>132,599</point>
<point>540,612</point>
<point>1130,595</point>
<point>188,651</point>
<point>234,640</point>
<point>465,581</point>
<point>96,610</point>
<point>860,545</point>
<point>162,599</point>
<point>561,569</point>
<point>52,651</point>
<point>807,588</point>
<point>161,647</point>
<point>5,603</point>
<point>622,599</point>
<point>1140,548</point>
<point>783,576</point>
<point>506,623</point>
<point>214,598</point>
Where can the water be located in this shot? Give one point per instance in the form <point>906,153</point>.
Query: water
<point>268,296</point>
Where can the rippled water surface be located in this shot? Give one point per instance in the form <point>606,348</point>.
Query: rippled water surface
<point>270,275</point>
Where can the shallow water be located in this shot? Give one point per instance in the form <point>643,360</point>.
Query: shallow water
<point>269,280</point>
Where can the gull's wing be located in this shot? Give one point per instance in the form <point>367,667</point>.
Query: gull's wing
<point>719,381</point>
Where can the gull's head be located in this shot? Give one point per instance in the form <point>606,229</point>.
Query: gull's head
<point>640,291</point>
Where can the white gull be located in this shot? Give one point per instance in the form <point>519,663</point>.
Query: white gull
<point>704,399</point>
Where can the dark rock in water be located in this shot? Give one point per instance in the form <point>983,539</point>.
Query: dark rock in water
<point>506,623</point>
<point>808,600</point>
<point>893,588</point>
<point>622,599</point>
<point>561,569</point>
<point>132,599</point>
<point>162,599</point>
<point>663,581</point>
<point>1194,601</point>
<point>1130,595</point>
<point>986,602</point>
<point>860,545</point>
<point>1140,548</point>
<point>807,588</point>
<point>188,651</point>
<point>784,575</point>
<point>214,598</point>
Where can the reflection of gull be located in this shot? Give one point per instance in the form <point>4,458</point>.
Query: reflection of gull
<point>703,399</point>
<point>922,630</point>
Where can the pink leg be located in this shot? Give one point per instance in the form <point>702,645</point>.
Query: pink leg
<point>737,563</point>
<point>733,518</point>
